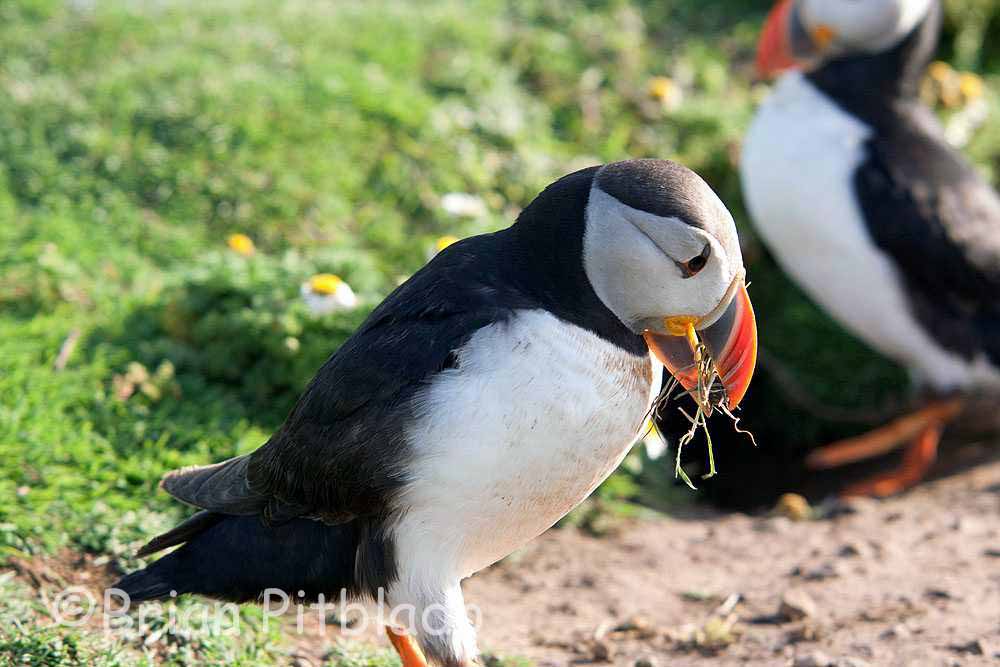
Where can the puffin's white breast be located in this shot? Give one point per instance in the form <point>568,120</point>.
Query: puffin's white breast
<point>799,159</point>
<point>537,413</point>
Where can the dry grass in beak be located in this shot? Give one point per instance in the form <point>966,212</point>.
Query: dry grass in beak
<point>708,395</point>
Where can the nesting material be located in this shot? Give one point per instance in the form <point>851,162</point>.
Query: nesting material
<point>708,395</point>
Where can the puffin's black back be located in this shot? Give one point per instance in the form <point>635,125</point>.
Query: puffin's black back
<point>923,204</point>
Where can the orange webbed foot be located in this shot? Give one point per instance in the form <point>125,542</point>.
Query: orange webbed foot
<point>919,432</point>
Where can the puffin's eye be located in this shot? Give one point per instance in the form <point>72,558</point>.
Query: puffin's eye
<point>696,263</point>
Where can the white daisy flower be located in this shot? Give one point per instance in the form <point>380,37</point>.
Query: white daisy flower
<point>326,293</point>
<point>463,205</point>
<point>653,441</point>
<point>666,91</point>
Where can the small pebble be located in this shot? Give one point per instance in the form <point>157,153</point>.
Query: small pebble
<point>848,506</point>
<point>852,662</point>
<point>938,594</point>
<point>974,647</point>
<point>793,506</point>
<point>865,650</point>
<point>968,525</point>
<point>813,659</point>
<point>639,626</point>
<point>796,605</point>
<point>804,632</point>
<point>855,549</point>
<point>821,573</point>
<point>645,662</point>
<point>601,651</point>
<point>777,524</point>
<point>898,631</point>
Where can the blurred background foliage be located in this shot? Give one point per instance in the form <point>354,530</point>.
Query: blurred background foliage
<point>135,137</point>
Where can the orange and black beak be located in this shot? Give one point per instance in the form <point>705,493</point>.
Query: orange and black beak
<point>731,339</point>
<point>774,53</point>
<point>786,43</point>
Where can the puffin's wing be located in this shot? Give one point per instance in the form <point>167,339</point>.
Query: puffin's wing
<point>342,451</point>
<point>939,222</point>
<point>220,487</point>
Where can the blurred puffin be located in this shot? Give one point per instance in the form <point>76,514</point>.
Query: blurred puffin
<point>482,400</point>
<point>852,186</point>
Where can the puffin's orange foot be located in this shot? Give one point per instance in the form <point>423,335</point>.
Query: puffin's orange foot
<point>406,647</point>
<point>917,460</point>
<point>920,432</point>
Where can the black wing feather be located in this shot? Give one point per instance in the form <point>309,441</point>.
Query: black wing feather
<point>939,221</point>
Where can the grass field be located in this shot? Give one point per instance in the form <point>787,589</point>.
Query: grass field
<point>136,137</point>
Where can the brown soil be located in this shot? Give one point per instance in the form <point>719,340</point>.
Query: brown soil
<point>68,568</point>
<point>913,580</point>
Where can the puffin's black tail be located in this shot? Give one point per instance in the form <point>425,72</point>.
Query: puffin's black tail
<point>238,557</point>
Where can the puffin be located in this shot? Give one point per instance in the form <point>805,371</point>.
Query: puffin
<point>853,188</point>
<point>482,400</point>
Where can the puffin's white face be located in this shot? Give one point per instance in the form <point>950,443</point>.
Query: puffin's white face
<point>852,26</point>
<point>675,276</point>
<point>646,268</point>
<point>809,32</point>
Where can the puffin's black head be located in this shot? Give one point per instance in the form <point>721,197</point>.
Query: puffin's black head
<point>660,252</point>
<point>809,34</point>
<point>665,189</point>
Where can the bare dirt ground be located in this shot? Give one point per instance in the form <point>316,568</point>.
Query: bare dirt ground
<point>913,580</point>
<point>909,581</point>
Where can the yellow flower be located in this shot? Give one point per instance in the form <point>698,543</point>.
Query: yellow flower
<point>325,283</point>
<point>793,506</point>
<point>326,293</point>
<point>241,244</point>
<point>940,71</point>
<point>444,241</point>
<point>650,436</point>
<point>661,88</point>
<point>971,86</point>
<point>665,90</point>
<point>440,244</point>
<point>950,94</point>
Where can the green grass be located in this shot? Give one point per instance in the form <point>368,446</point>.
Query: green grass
<point>136,136</point>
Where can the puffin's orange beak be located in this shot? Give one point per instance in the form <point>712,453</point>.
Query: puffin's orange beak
<point>731,341</point>
<point>774,53</point>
